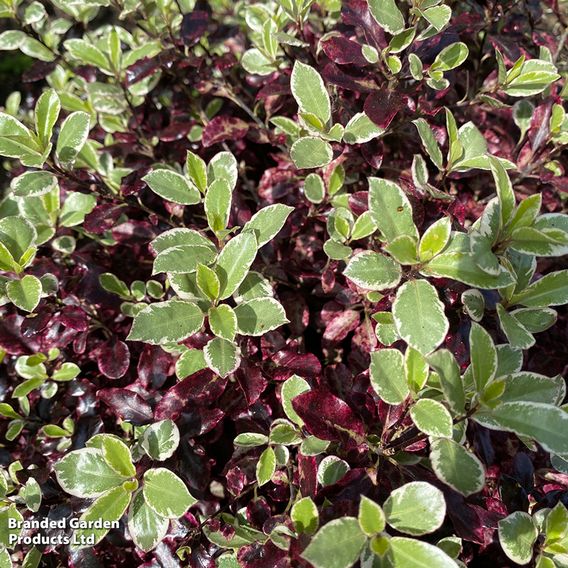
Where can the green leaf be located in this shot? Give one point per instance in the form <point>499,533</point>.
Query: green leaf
<point>309,91</point>
<point>33,184</point>
<point>266,466</point>
<point>172,186</point>
<point>222,356</point>
<point>390,209</point>
<point>416,508</point>
<point>76,207</point>
<point>314,188</point>
<point>556,523</point>
<point>387,14</point>
<point>182,259</point>
<point>25,293</point>
<point>429,142</point>
<point>310,152</point>
<point>114,285</point>
<point>456,467</point>
<point>305,516</point>
<point>6,561</point>
<point>542,422</point>
<point>361,129</point>
<point>234,262</point>
<point>85,473</point>
<point>223,166</point>
<point>254,62</point>
<point>6,515</point>
<point>259,316</point>
<point>432,418</point>
<point>255,285</point>
<point>223,321</point>
<point>435,239</point>
<point>450,57</point>
<point>526,386</point>
<point>208,282</point>
<point>268,222</point>
<point>483,355</point>
<point>419,316</point>
<point>218,204</point>
<point>166,322</point>
<point>516,333</point>
<point>461,266</point>
<point>445,364</point>
<point>87,53</point>
<point>535,320</point>
<point>331,470</point>
<point>180,237</point>
<point>108,507</point>
<point>166,494</point>
<point>438,16</point>
<point>335,250</point>
<point>517,536</point>
<point>401,40</point>
<point>412,553</point>
<point>336,545</point>
<point>291,388</point>
<point>17,235</point>
<point>403,249</point>
<point>416,369</point>
<point>474,304</point>
<point>542,243</point>
<point>284,433</point>
<point>504,188</point>
<point>250,440</point>
<point>550,290</point>
<point>189,363</point>
<point>16,141</point>
<point>117,454</point>
<point>387,375</point>
<point>46,114</point>
<point>371,517</point>
<point>197,171</point>
<point>533,77</point>
<point>364,226</point>
<point>146,528</point>
<point>161,439</point>
<point>72,136</point>
<point>31,494</point>
<point>373,271</point>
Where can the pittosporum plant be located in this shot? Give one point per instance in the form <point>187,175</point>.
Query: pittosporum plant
<point>283,283</point>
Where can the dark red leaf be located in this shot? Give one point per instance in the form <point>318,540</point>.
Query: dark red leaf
<point>126,404</point>
<point>113,358</point>
<point>327,416</point>
<point>193,26</point>
<point>102,218</point>
<point>154,367</point>
<point>382,106</point>
<point>200,388</point>
<point>223,128</point>
<point>344,51</point>
<point>75,318</point>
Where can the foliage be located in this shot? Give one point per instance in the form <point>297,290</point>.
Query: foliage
<point>282,283</point>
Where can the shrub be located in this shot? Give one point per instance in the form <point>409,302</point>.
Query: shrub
<point>282,284</point>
